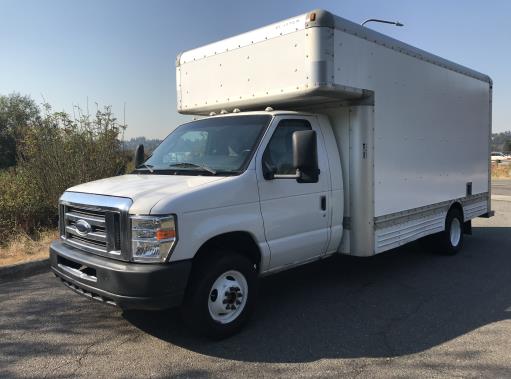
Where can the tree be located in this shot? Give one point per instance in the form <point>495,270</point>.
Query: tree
<point>16,114</point>
<point>507,146</point>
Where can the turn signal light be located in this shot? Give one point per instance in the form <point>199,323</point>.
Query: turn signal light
<point>164,234</point>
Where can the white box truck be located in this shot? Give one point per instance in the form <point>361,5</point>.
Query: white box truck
<point>319,137</point>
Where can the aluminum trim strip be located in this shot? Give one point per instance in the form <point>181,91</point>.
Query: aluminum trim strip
<point>420,212</point>
<point>86,247</point>
<point>95,202</point>
<point>96,221</point>
<point>95,236</point>
<point>77,273</point>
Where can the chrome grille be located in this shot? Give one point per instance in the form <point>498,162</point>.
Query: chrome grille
<point>94,218</point>
<point>101,225</point>
<point>95,228</point>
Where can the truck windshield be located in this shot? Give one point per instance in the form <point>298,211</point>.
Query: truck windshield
<point>212,146</point>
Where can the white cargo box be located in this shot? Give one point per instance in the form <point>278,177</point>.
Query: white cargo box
<point>302,61</point>
<point>413,129</point>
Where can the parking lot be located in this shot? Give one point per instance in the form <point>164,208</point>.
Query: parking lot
<point>405,313</point>
<point>501,187</point>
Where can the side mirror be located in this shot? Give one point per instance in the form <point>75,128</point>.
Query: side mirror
<point>305,150</point>
<point>305,159</point>
<point>305,156</point>
<point>139,157</point>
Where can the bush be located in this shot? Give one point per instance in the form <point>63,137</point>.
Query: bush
<point>21,205</point>
<point>55,153</point>
<point>62,152</point>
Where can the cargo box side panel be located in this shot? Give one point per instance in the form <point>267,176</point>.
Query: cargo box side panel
<point>431,125</point>
<point>269,68</point>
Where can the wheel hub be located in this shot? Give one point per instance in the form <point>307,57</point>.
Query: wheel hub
<point>227,296</point>
<point>455,232</point>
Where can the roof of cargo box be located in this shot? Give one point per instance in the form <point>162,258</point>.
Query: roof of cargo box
<point>322,18</point>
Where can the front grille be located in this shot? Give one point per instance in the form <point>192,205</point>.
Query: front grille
<point>99,226</point>
<point>96,239</point>
<point>103,236</point>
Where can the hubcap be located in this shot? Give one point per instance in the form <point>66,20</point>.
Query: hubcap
<point>228,296</point>
<point>455,232</point>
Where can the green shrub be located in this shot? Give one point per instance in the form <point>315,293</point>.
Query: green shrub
<point>62,152</point>
<point>22,208</point>
<point>55,153</point>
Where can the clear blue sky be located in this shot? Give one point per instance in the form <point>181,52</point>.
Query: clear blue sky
<point>119,51</point>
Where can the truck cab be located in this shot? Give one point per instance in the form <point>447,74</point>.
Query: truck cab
<point>226,185</point>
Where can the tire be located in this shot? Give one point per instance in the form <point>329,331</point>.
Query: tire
<point>221,296</point>
<point>450,241</point>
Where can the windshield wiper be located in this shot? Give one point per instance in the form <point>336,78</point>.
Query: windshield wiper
<point>189,164</point>
<point>148,166</point>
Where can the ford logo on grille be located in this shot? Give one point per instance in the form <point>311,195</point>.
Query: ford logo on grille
<point>83,228</point>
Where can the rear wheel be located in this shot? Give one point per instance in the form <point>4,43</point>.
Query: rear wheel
<point>221,296</point>
<point>450,241</point>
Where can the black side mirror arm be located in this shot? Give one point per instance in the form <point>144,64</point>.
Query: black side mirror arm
<point>268,171</point>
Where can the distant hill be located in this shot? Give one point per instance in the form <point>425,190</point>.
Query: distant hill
<point>149,144</point>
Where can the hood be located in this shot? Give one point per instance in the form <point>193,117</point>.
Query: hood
<point>148,189</point>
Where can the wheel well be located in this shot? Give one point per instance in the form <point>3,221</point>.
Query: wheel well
<point>458,206</point>
<point>240,242</point>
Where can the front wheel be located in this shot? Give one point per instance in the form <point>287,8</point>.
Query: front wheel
<point>221,296</point>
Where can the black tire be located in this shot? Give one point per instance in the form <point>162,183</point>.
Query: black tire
<point>195,310</point>
<point>450,241</point>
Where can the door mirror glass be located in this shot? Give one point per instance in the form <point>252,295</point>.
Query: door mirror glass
<point>305,156</point>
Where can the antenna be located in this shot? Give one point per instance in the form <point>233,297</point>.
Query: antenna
<point>123,125</point>
<point>396,23</point>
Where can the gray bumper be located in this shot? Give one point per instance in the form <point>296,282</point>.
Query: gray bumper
<point>127,285</point>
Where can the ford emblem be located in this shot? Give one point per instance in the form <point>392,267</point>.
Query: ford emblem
<point>83,228</point>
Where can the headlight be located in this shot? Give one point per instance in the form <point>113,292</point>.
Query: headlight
<point>153,238</point>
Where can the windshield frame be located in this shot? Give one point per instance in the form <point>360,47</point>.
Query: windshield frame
<point>197,172</point>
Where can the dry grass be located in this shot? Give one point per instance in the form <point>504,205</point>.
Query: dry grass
<point>500,170</point>
<point>23,248</point>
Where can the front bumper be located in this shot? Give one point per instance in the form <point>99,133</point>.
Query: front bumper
<point>124,284</point>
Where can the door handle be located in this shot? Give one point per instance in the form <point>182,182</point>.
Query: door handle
<point>323,203</point>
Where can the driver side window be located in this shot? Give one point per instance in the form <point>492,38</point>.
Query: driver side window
<point>279,153</point>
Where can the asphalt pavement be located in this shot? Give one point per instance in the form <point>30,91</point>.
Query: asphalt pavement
<point>501,187</point>
<point>405,313</point>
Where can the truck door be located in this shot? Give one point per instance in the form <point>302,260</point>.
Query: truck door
<point>296,217</point>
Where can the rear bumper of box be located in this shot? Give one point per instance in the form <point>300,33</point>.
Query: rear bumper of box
<point>124,284</point>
